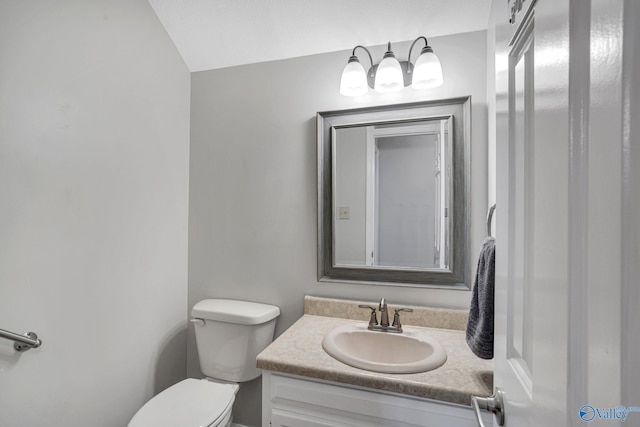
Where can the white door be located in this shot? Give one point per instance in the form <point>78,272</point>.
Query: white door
<point>567,211</point>
<point>520,280</point>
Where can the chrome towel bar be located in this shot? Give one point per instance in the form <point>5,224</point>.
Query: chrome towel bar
<point>490,218</point>
<point>22,342</point>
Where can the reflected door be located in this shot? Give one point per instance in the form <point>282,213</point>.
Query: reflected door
<point>406,189</point>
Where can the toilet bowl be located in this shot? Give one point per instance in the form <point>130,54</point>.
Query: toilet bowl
<point>229,336</point>
<point>191,402</point>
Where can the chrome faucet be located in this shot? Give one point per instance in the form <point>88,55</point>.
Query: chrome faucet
<point>384,313</point>
<point>383,326</point>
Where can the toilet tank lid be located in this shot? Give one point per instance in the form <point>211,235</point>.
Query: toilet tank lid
<point>234,311</point>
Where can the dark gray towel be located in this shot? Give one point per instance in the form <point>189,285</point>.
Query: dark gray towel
<point>480,324</point>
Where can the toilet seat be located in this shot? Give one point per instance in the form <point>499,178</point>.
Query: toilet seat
<point>189,403</point>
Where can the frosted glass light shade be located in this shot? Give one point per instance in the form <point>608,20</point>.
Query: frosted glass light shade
<point>427,72</point>
<point>354,79</point>
<point>389,76</point>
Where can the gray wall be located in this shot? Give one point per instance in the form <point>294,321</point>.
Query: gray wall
<point>252,203</point>
<point>94,152</point>
<point>351,191</point>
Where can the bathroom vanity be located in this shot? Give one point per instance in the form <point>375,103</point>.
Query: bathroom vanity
<point>305,387</point>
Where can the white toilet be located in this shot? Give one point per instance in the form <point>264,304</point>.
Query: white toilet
<point>229,336</point>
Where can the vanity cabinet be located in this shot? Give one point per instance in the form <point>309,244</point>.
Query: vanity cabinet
<point>294,401</point>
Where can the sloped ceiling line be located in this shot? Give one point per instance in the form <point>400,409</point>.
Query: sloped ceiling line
<point>212,34</point>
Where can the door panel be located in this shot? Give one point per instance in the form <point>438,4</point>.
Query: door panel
<point>521,167</point>
<point>531,220</point>
<point>566,243</point>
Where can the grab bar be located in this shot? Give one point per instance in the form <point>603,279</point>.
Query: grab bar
<point>22,342</point>
<point>490,218</point>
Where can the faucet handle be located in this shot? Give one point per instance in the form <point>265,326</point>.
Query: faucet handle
<point>396,316</point>
<point>373,320</point>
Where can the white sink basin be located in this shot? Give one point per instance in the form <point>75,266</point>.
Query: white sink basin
<point>409,352</point>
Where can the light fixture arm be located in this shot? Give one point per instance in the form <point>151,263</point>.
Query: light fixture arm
<point>353,53</point>
<point>426,46</point>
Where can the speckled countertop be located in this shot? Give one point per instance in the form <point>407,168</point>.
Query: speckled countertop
<point>299,351</point>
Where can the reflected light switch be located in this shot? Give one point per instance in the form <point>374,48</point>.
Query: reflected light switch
<point>343,212</point>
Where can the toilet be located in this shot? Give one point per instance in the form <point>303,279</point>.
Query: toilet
<point>229,336</point>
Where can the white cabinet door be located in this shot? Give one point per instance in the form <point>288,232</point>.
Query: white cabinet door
<point>290,419</point>
<point>290,401</point>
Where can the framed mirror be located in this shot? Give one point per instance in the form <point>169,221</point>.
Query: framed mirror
<point>393,194</point>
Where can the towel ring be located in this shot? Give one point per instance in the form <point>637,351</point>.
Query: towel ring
<point>490,218</point>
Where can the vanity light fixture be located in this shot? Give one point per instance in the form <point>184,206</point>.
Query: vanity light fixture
<point>391,75</point>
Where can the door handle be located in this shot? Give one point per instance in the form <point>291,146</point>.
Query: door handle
<point>493,404</point>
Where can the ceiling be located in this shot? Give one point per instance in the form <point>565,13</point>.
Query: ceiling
<point>213,34</point>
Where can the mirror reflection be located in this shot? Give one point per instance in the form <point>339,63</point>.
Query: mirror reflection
<point>391,196</point>
<point>393,191</point>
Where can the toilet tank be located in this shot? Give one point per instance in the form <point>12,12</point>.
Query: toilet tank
<point>230,334</point>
